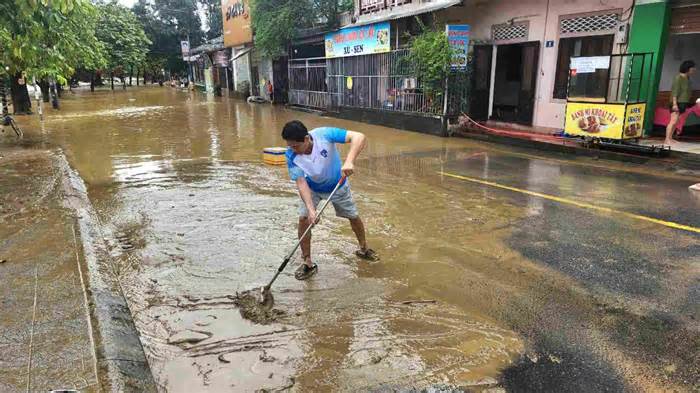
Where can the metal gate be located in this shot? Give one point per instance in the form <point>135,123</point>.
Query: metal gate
<point>308,83</point>
<point>380,81</point>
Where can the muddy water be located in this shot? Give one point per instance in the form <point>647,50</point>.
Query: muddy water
<point>477,287</point>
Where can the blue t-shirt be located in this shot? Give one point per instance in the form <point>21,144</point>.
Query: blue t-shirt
<point>321,168</point>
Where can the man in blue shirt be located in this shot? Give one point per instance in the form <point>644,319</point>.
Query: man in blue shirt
<point>314,164</point>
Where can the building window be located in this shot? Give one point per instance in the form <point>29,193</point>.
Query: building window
<point>600,45</point>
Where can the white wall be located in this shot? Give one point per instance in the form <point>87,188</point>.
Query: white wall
<point>544,26</point>
<point>680,48</point>
<point>241,68</point>
<point>264,74</point>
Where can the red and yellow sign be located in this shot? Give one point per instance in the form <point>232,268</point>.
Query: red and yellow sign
<point>237,20</point>
<point>610,121</point>
<point>634,120</point>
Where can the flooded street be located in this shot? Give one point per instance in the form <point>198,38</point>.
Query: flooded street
<point>499,269</point>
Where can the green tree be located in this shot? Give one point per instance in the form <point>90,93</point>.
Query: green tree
<point>183,16</point>
<point>46,39</point>
<point>430,58</point>
<point>276,22</point>
<point>215,22</point>
<point>166,27</point>
<point>124,39</point>
<point>328,11</point>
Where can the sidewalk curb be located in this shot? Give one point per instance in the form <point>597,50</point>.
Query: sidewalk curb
<point>121,360</point>
<point>677,161</point>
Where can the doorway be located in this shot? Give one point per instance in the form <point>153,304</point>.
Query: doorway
<point>280,82</point>
<point>479,104</point>
<point>515,81</point>
<point>254,81</point>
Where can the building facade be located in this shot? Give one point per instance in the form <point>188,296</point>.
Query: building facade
<point>520,50</point>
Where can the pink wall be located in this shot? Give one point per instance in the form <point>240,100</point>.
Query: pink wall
<point>482,14</point>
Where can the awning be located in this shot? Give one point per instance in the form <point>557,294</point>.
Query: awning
<point>241,53</point>
<point>403,11</point>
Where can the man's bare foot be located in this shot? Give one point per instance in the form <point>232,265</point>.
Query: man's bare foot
<point>670,142</point>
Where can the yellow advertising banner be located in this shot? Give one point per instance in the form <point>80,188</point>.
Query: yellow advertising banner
<point>237,20</point>
<point>634,120</point>
<point>595,120</point>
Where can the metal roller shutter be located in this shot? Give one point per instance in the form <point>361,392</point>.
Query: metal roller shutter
<point>685,20</point>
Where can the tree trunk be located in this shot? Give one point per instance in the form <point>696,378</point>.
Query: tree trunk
<point>137,76</point>
<point>92,82</point>
<point>131,74</point>
<point>44,86</point>
<point>111,79</point>
<point>123,78</point>
<point>54,89</point>
<point>3,98</point>
<point>20,96</point>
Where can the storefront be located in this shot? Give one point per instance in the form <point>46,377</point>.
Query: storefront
<point>682,43</point>
<point>209,63</point>
<point>238,36</point>
<point>521,53</point>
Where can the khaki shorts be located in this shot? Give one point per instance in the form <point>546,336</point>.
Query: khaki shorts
<point>342,202</point>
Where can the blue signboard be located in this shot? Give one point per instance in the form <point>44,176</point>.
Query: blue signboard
<point>361,40</point>
<point>458,36</point>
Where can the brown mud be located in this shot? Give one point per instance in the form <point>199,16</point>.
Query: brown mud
<point>252,309</point>
<point>192,216</point>
<point>45,335</point>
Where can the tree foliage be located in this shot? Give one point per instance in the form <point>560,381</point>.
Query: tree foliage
<point>215,23</point>
<point>166,28</point>
<point>121,32</point>
<point>182,16</point>
<point>328,11</point>
<point>276,22</point>
<point>49,38</point>
<point>430,59</point>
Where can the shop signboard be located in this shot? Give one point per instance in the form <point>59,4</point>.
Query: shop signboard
<point>236,17</point>
<point>458,37</point>
<point>610,121</point>
<point>185,47</point>
<point>360,40</point>
<point>221,58</point>
<point>594,119</point>
<point>634,120</point>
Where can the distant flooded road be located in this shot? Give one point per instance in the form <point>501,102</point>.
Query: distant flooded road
<point>496,272</point>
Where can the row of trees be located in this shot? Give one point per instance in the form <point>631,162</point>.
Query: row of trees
<point>58,40</point>
<point>48,40</point>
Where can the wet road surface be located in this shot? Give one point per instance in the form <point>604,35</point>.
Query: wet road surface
<point>530,293</point>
